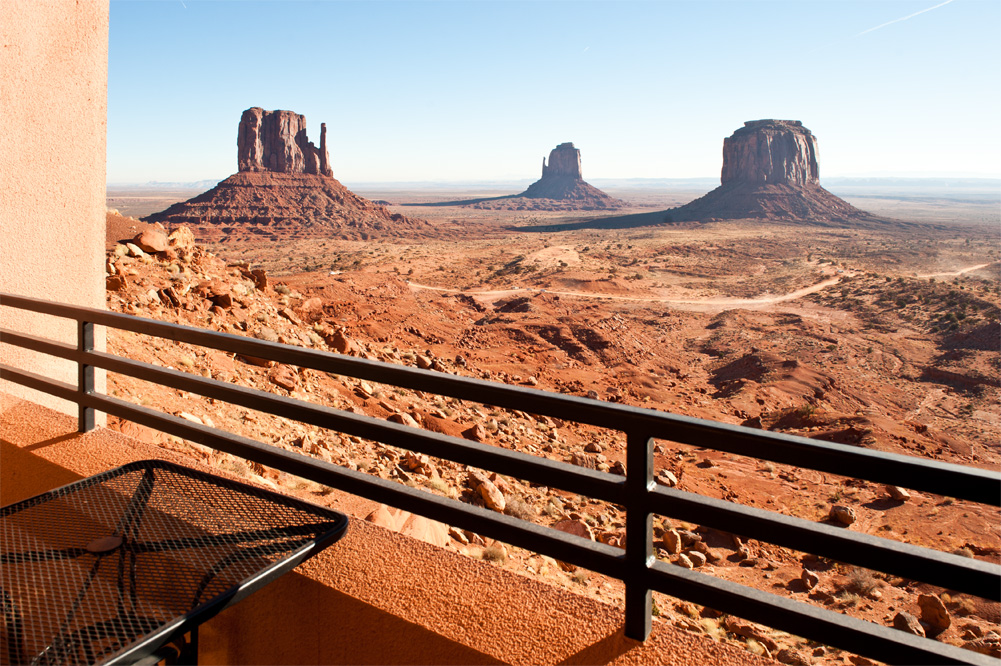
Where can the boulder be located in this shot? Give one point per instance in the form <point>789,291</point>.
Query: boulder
<point>476,433</point>
<point>844,515</point>
<point>666,478</point>
<point>181,238</point>
<point>907,622</point>
<point>151,240</point>
<point>576,528</point>
<point>897,493</point>
<point>698,559</point>
<point>810,579</point>
<point>934,613</point>
<point>404,419</point>
<point>284,376</point>
<point>341,343</point>
<point>493,498</point>
<point>672,541</point>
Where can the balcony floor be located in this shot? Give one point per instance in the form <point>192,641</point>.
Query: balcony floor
<point>376,596</point>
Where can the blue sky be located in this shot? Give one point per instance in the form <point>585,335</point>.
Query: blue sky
<point>449,91</point>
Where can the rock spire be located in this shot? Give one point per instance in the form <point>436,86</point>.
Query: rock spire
<point>276,141</point>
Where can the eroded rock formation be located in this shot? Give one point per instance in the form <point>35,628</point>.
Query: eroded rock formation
<point>770,171</point>
<point>284,189</point>
<point>562,182</point>
<point>276,141</point>
<point>564,162</point>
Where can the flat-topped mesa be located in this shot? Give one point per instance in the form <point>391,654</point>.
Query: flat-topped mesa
<point>276,141</point>
<point>768,152</point>
<point>770,171</point>
<point>564,161</point>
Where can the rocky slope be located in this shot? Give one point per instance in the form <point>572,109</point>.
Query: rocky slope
<point>736,367</point>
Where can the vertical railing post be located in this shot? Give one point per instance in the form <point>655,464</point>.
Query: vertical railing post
<point>85,375</point>
<point>639,535</point>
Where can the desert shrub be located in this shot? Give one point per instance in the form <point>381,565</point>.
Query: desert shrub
<point>439,485</point>
<point>519,508</point>
<point>495,553</point>
<point>861,581</point>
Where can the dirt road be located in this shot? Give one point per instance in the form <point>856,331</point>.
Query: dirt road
<point>701,304</point>
<point>968,269</point>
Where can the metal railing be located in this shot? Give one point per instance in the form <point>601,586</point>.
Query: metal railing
<point>636,566</point>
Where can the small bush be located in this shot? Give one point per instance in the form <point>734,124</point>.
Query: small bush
<point>495,553</point>
<point>519,508</point>
<point>439,485</point>
<point>861,581</point>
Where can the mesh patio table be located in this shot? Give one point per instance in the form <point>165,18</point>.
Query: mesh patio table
<point>113,568</point>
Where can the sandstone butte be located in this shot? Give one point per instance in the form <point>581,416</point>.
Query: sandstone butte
<point>563,180</point>
<point>284,188</point>
<point>561,187</point>
<point>770,170</point>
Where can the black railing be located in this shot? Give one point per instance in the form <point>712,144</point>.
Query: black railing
<point>636,493</point>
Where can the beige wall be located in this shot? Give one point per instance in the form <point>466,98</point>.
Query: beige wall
<point>53,95</point>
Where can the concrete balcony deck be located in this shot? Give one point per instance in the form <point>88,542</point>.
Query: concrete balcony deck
<point>376,596</point>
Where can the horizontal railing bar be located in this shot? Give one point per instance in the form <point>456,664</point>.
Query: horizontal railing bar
<point>598,557</point>
<point>592,555</point>
<point>962,574</point>
<point>932,476</point>
<point>808,621</point>
<point>35,343</point>
<point>982,486</point>
<point>39,383</point>
<point>542,471</point>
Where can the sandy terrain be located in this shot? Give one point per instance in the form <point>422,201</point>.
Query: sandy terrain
<point>859,337</point>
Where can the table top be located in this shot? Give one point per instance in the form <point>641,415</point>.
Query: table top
<point>108,569</point>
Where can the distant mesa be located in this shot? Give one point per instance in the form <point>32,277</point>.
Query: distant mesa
<point>284,189</point>
<point>770,170</point>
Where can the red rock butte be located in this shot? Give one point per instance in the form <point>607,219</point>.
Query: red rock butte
<point>770,170</point>
<point>284,189</point>
<point>562,180</point>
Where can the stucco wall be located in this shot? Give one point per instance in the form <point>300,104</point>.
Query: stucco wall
<point>53,87</point>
